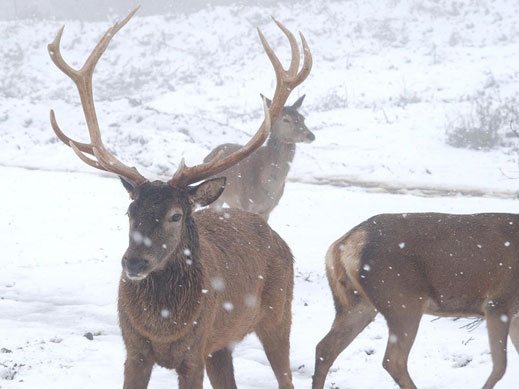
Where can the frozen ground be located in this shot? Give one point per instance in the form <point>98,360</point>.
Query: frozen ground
<point>384,82</point>
<point>62,236</point>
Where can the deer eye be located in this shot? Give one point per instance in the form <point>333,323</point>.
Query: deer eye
<point>286,120</point>
<point>176,217</point>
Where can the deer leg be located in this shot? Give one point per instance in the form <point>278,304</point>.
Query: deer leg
<point>347,325</point>
<point>220,370</point>
<point>276,343</point>
<point>139,358</point>
<point>514,331</point>
<point>191,375</point>
<point>498,326</point>
<point>403,326</point>
<point>137,371</point>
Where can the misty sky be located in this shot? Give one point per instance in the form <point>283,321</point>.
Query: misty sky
<point>100,9</point>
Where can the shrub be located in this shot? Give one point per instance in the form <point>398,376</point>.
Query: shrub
<point>485,123</point>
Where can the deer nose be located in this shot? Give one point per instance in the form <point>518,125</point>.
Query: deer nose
<point>311,136</point>
<point>134,266</point>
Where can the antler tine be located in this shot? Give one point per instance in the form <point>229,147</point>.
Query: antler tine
<point>83,80</point>
<point>54,49</point>
<point>83,147</point>
<point>84,158</point>
<point>294,48</point>
<point>286,81</point>
<point>101,46</point>
<point>307,63</point>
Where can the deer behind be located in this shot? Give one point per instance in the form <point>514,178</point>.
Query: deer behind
<point>405,265</point>
<point>256,184</point>
<point>194,283</point>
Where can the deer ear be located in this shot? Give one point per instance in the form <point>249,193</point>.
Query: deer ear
<point>269,102</point>
<point>207,192</point>
<point>129,186</point>
<point>298,102</point>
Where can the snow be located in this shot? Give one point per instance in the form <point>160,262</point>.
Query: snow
<point>385,82</point>
<point>63,235</point>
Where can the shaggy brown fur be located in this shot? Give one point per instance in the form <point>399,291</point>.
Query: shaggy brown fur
<point>229,275</point>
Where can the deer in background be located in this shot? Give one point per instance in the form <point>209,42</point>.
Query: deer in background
<point>407,265</point>
<point>194,283</point>
<point>256,184</point>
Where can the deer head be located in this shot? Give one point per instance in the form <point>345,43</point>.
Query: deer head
<point>290,127</point>
<point>160,212</point>
<point>161,224</point>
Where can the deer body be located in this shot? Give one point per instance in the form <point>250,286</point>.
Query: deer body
<point>257,183</point>
<point>405,265</point>
<point>191,313</point>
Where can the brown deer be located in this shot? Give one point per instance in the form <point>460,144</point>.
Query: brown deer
<point>194,283</point>
<point>256,184</point>
<point>407,265</point>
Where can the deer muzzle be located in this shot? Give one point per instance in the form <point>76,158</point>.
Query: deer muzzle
<point>135,268</point>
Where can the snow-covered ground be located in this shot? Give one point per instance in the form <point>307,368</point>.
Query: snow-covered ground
<point>385,83</point>
<point>62,236</point>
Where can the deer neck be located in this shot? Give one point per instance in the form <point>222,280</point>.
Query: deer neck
<point>170,297</point>
<point>281,154</point>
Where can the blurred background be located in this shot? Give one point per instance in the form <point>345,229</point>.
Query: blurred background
<point>412,94</point>
<point>99,9</point>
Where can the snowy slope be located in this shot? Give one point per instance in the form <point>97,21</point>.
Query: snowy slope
<point>386,81</point>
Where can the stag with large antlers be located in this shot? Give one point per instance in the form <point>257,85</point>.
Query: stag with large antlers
<point>407,265</point>
<point>194,283</point>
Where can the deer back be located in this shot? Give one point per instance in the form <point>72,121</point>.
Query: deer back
<point>457,262</point>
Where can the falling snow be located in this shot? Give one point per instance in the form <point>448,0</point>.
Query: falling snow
<point>228,306</point>
<point>218,283</point>
<point>137,237</point>
<point>370,92</point>
<point>250,300</point>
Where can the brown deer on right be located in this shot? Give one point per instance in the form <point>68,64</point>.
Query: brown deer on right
<point>194,283</point>
<point>407,265</point>
<point>257,183</point>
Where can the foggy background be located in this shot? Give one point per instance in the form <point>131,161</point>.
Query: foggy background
<point>99,9</point>
<point>414,105</point>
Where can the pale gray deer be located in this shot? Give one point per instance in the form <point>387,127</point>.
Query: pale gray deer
<point>194,283</point>
<point>257,183</point>
<point>407,265</point>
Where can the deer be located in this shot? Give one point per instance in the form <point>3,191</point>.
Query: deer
<point>194,282</point>
<point>408,265</point>
<point>257,183</point>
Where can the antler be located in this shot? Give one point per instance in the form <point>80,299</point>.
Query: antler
<point>286,81</point>
<point>104,160</point>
